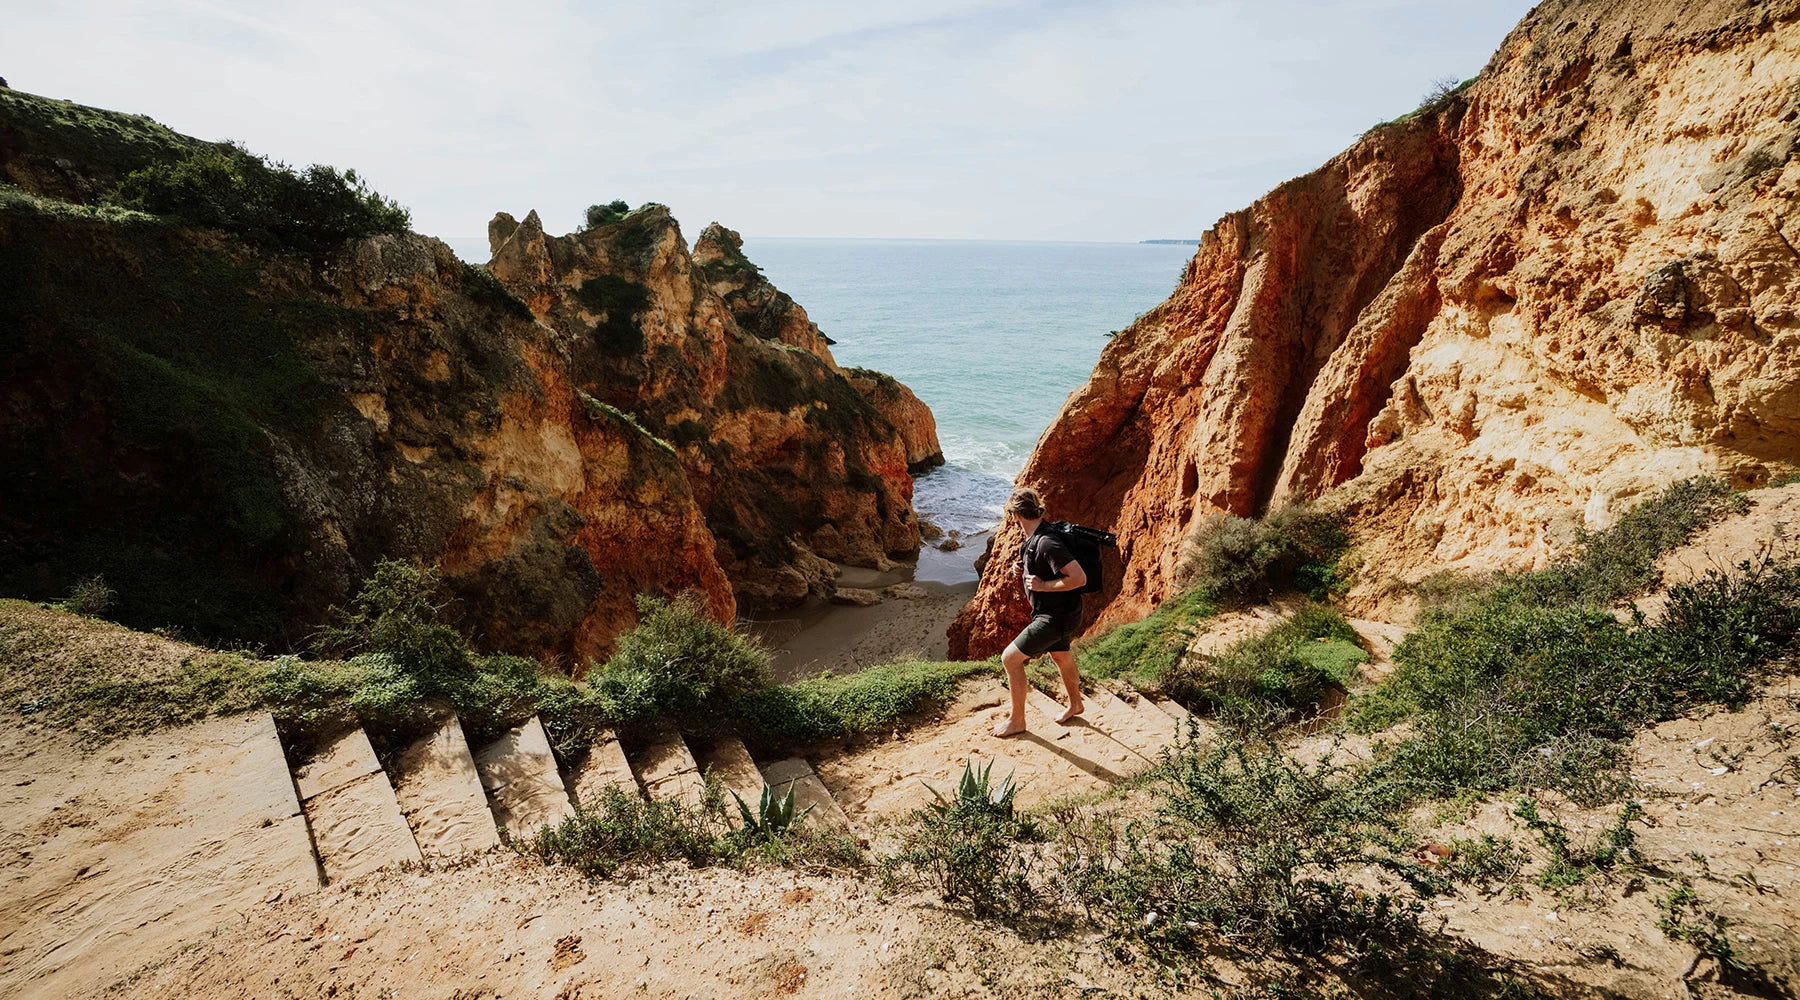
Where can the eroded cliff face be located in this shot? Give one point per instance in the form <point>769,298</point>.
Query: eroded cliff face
<point>1474,331</point>
<point>233,433</point>
<point>791,465</point>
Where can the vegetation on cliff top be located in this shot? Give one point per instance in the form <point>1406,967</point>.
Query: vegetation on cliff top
<point>229,188</point>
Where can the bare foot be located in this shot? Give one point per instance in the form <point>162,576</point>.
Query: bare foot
<point>1009,727</point>
<point>1072,711</point>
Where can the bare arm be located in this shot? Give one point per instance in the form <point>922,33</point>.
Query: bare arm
<point>1073,578</point>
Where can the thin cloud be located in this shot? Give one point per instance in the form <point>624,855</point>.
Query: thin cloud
<point>1003,119</point>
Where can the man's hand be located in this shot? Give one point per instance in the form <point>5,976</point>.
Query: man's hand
<point>1031,583</point>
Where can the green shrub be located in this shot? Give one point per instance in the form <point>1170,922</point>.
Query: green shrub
<point>1247,560</point>
<point>1681,918</point>
<point>1620,561</point>
<point>90,596</point>
<point>601,215</point>
<point>973,849</point>
<point>398,614</point>
<point>1506,693</point>
<point>626,829</point>
<point>1286,670</point>
<point>1486,862</point>
<point>1570,865</point>
<point>679,662</point>
<point>1253,850</point>
<point>227,187</point>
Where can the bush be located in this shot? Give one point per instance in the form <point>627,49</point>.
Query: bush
<point>1284,671</point>
<point>679,662</point>
<point>601,215</point>
<point>397,614</point>
<point>1251,851</point>
<point>1246,560</point>
<point>972,848</point>
<point>1507,693</point>
<point>227,187</point>
<point>1570,865</point>
<point>1620,561</point>
<point>90,596</point>
<point>626,830</point>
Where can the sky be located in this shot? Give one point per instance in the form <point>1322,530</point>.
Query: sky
<point>982,119</point>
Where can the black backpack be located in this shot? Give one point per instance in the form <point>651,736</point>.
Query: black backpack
<point>1084,544</point>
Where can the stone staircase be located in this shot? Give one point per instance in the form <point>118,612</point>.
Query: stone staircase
<point>228,820</point>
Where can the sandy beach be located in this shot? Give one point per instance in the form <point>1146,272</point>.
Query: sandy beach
<point>918,603</point>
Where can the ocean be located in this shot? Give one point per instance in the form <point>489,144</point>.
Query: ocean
<point>993,336</point>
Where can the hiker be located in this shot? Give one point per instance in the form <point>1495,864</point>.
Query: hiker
<point>1053,581</point>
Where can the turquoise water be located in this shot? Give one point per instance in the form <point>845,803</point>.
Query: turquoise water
<point>993,336</point>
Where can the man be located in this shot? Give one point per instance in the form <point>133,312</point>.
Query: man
<point>1052,580</point>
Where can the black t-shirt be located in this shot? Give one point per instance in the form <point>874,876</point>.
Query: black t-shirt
<point>1045,557</point>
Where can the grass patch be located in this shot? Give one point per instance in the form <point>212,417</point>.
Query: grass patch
<point>837,707</point>
<point>389,659</point>
<point>1281,673</point>
<point>1536,683</point>
<point>1145,651</point>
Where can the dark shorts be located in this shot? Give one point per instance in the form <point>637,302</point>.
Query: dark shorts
<point>1048,634</point>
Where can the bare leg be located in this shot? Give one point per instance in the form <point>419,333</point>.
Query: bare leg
<point>1071,678</point>
<point>1014,661</point>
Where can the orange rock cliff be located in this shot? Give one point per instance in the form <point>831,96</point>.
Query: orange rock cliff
<point>1478,329</point>
<point>232,433</point>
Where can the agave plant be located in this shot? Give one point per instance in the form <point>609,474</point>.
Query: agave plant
<point>773,816</point>
<point>977,793</point>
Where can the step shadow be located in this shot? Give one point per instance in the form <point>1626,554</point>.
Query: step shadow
<point>1084,764</point>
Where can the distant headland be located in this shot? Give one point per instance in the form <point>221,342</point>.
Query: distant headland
<point>1173,243</point>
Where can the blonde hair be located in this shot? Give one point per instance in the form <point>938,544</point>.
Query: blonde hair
<point>1026,503</point>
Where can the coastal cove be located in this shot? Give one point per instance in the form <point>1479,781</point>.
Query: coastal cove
<point>993,336</point>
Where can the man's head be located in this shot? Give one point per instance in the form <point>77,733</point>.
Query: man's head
<point>1025,504</point>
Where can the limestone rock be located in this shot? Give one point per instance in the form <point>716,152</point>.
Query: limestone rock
<point>1475,330</point>
<point>909,414</point>
<point>856,597</point>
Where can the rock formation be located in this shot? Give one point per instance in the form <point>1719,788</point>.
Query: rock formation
<point>790,463</point>
<point>232,433</point>
<point>1478,329</point>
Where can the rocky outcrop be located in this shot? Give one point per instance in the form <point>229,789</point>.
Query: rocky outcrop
<point>760,308</point>
<point>908,413</point>
<point>232,433</point>
<point>233,440</point>
<point>790,464</point>
<point>765,311</point>
<point>1477,330</point>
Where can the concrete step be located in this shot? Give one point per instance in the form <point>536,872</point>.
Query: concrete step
<point>1120,723</point>
<point>356,822</point>
<point>604,767</point>
<point>180,831</point>
<point>808,791</point>
<point>728,763</point>
<point>524,788</point>
<point>665,767</point>
<point>440,795</point>
<point>1154,719</point>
